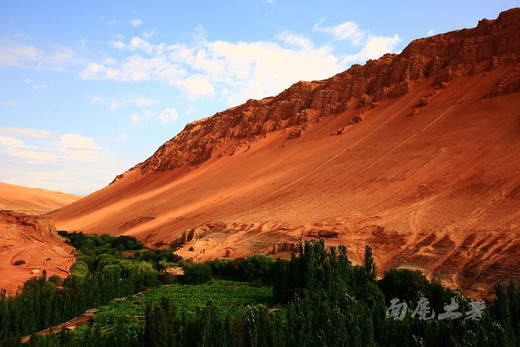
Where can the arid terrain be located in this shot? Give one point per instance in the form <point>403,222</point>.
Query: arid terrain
<point>415,154</point>
<point>34,201</point>
<point>34,240</point>
<point>24,235</point>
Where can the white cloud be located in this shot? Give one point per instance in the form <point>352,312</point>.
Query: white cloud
<point>258,69</point>
<point>12,142</point>
<point>138,44</point>
<point>28,56</point>
<point>13,147</point>
<point>15,54</point>
<point>28,80</point>
<point>135,119</point>
<point>344,31</point>
<point>163,116</point>
<point>29,156</point>
<point>140,101</point>
<point>39,86</point>
<point>134,69</point>
<point>197,85</point>
<point>55,161</point>
<point>136,22</point>
<point>148,34</point>
<point>168,115</point>
<point>9,103</point>
<point>92,71</point>
<point>63,55</point>
<point>431,32</point>
<point>26,132</point>
<point>237,71</point>
<point>129,100</point>
<point>85,156</point>
<point>295,39</point>
<point>77,141</point>
<point>375,48</point>
<point>118,45</point>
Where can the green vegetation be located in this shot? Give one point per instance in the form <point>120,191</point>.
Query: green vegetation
<point>95,278</point>
<point>19,262</point>
<point>316,298</point>
<point>197,274</point>
<point>229,297</point>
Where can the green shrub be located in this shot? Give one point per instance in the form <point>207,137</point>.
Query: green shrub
<point>404,284</point>
<point>258,268</point>
<point>57,280</point>
<point>19,262</point>
<point>197,274</point>
<point>79,269</point>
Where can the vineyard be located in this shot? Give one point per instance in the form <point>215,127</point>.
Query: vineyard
<point>230,297</point>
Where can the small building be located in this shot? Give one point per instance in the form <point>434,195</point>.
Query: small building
<point>173,271</point>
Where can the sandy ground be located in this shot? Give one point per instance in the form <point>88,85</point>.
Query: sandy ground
<point>438,191</point>
<point>32,200</point>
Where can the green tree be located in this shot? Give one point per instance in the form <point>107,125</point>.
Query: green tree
<point>197,274</point>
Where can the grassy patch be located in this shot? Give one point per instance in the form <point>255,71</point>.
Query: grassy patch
<point>231,298</point>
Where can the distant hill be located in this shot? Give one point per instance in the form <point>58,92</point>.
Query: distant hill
<point>32,200</point>
<point>416,154</point>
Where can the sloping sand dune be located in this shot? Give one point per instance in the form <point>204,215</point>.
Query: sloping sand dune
<point>32,200</point>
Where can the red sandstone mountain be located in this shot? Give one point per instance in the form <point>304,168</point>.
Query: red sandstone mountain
<point>32,200</point>
<point>415,154</point>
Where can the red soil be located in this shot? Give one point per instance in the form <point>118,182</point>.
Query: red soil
<point>34,240</point>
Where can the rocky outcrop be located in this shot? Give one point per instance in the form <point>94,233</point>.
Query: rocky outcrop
<point>507,84</point>
<point>34,240</point>
<point>441,58</point>
<point>189,235</point>
<point>36,226</point>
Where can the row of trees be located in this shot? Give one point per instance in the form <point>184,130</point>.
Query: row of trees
<point>325,300</point>
<point>94,279</point>
<point>328,301</point>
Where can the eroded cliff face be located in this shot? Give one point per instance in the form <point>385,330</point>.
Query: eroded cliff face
<point>442,58</point>
<point>415,154</point>
<point>34,240</point>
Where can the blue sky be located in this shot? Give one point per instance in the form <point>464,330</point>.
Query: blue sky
<point>89,89</point>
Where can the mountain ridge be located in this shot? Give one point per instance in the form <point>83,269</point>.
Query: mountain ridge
<point>444,56</point>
